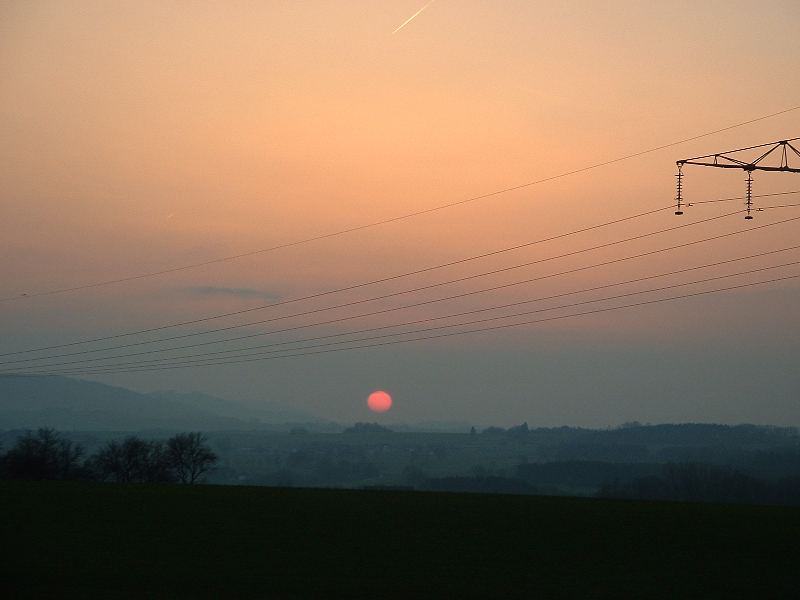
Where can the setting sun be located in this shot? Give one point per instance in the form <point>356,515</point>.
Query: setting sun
<point>379,401</point>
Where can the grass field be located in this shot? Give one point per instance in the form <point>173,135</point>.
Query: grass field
<point>105,541</point>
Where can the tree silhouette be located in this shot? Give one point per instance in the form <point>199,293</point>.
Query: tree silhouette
<point>133,460</point>
<point>43,455</point>
<point>190,457</point>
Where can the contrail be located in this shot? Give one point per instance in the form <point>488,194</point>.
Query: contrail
<point>412,17</point>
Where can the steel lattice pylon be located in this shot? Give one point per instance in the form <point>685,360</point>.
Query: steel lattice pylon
<point>782,149</point>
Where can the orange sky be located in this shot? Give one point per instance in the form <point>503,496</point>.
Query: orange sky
<point>139,136</point>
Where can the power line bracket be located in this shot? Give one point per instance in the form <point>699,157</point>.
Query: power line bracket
<point>782,150</point>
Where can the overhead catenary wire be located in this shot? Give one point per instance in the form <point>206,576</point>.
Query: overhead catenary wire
<point>742,197</point>
<point>419,304</point>
<point>180,359</point>
<point>343,305</point>
<point>777,206</point>
<point>341,289</point>
<point>29,295</point>
<point>357,285</point>
<point>358,302</point>
<point>437,336</point>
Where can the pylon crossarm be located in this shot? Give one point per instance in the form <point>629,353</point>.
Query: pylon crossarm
<point>743,166</point>
<point>724,160</point>
<point>765,161</point>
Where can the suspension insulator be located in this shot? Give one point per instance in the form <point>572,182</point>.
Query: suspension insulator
<point>749,195</point>
<point>679,190</point>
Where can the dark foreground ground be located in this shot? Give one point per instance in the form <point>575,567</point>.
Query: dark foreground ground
<point>105,541</point>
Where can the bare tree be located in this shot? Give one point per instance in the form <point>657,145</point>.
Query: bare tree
<point>190,457</point>
<point>133,460</point>
<point>45,454</point>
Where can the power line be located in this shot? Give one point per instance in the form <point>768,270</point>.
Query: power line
<point>777,206</point>
<point>358,285</point>
<point>343,305</point>
<point>386,221</point>
<point>346,288</point>
<point>182,361</point>
<point>448,316</point>
<point>441,335</point>
<point>315,311</point>
<point>742,198</point>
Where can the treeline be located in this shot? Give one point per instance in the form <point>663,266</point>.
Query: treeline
<point>694,482</point>
<point>47,454</point>
<point>678,434</point>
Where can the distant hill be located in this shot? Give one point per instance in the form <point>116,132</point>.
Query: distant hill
<point>264,412</point>
<point>74,404</point>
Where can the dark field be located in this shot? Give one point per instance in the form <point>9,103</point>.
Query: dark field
<point>104,540</point>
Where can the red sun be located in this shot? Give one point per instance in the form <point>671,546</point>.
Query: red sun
<point>379,401</point>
